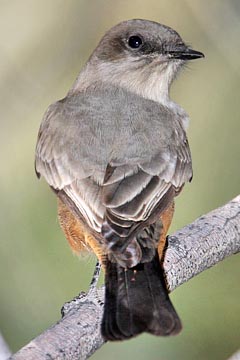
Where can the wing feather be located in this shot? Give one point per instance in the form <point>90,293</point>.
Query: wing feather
<point>112,196</point>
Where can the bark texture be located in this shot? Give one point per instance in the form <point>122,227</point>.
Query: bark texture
<point>191,250</point>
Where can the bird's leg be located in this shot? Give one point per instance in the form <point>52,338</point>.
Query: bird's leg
<point>95,278</point>
<point>92,294</point>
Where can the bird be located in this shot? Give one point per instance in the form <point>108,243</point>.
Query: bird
<point>115,152</point>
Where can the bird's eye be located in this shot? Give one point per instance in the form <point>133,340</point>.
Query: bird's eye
<point>135,42</point>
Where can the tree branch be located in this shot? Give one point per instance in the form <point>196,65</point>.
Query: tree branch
<point>235,356</point>
<point>191,250</point>
<point>4,349</point>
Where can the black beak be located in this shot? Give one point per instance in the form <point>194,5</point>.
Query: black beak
<point>185,54</point>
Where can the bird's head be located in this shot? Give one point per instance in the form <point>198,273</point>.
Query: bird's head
<point>142,56</point>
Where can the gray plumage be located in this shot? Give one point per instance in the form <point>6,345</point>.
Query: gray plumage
<point>116,145</point>
<point>138,138</point>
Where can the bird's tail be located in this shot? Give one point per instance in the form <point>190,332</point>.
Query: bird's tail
<point>136,301</point>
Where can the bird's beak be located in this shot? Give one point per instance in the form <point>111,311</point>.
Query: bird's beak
<point>185,54</point>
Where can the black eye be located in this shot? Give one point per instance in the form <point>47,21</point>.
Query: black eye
<point>135,42</point>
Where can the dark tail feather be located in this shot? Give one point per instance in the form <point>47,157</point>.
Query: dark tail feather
<point>136,301</point>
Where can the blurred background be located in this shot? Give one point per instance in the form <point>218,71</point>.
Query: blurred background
<point>43,46</point>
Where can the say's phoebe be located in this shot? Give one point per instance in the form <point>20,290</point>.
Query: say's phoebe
<point>115,152</point>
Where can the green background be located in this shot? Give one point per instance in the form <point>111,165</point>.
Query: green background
<point>43,46</point>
